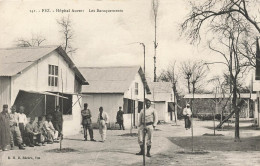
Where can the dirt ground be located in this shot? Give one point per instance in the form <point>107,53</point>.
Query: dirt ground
<point>172,145</point>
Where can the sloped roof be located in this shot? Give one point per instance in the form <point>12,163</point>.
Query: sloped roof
<point>110,79</point>
<point>16,60</point>
<point>160,91</point>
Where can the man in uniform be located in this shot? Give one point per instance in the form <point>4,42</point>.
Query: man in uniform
<point>102,122</point>
<point>22,121</point>
<point>5,137</point>
<point>120,118</point>
<point>87,123</point>
<point>57,121</point>
<point>151,119</point>
<point>15,131</point>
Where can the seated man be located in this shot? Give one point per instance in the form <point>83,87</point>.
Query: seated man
<point>52,134</point>
<point>38,128</point>
<point>30,134</point>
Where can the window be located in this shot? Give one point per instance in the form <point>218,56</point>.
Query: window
<point>53,75</point>
<point>136,88</point>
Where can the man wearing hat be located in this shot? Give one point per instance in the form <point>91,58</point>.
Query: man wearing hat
<point>52,134</point>
<point>4,128</point>
<point>120,118</point>
<point>15,131</point>
<point>151,119</point>
<point>87,123</point>
<point>57,120</point>
<point>187,115</point>
<point>102,122</point>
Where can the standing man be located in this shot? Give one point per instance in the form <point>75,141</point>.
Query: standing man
<point>4,128</point>
<point>120,118</point>
<point>187,115</point>
<point>102,123</point>
<point>15,131</point>
<point>22,121</point>
<point>57,121</point>
<point>87,123</point>
<point>151,119</point>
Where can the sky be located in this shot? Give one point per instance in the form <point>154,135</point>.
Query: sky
<point>107,39</point>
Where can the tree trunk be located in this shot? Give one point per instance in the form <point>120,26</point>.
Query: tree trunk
<point>189,85</point>
<point>226,119</point>
<point>234,104</point>
<point>239,105</point>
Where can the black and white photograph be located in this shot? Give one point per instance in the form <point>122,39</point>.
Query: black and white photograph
<point>130,82</point>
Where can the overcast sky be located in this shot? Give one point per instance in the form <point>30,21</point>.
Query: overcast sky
<point>106,39</point>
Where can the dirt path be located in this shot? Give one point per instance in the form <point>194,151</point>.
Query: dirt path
<point>169,142</point>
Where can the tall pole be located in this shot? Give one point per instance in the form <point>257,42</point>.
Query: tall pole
<point>214,113</point>
<point>144,132</point>
<point>155,5</point>
<point>131,113</point>
<point>61,134</point>
<point>45,105</point>
<point>192,108</point>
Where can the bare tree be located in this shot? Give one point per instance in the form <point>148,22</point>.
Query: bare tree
<point>210,11</point>
<point>194,72</point>
<point>155,6</point>
<point>35,40</point>
<point>170,75</point>
<point>234,30</point>
<point>67,32</point>
<point>235,14</point>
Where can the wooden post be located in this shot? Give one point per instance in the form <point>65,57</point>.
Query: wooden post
<point>248,109</point>
<point>45,105</point>
<point>61,112</point>
<point>131,128</point>
<point>192,121</point>
<point>176,109</point>
<point>214,112</point>
<point>144,132</point>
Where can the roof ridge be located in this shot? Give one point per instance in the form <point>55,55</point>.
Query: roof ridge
<point>134,66</point>
<point>34,47</point>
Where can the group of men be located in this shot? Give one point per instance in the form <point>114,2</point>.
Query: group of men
<point>14,127</point>
<point>16,130</point>
<point>147,123</point>
<point>102,122</point>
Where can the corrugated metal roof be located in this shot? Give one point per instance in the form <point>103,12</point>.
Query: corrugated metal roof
<point>161,91</point>
<point>15,60</point>
<point>109,79</point>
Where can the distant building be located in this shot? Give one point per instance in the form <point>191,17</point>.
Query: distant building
<point>111,87</point>
<point>162,96</point>
<point>41,78</point>
<point>205,104</point>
